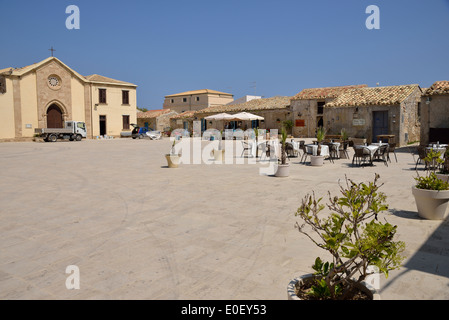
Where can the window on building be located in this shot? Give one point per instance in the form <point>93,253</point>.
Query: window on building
<point>125,97</point>
<point>197,98</point>
<point>184,99</point>
<point>172,100</point>
<point>102,95</point>
<point>126,122</point>
<point>320,107</point>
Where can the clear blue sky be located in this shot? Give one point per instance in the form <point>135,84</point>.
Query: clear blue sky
<point>284,46</point>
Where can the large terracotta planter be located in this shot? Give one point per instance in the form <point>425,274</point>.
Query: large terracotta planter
<point>316,160</point>
<point>172,160</point>
<point>431,204</point>
<point>283,170</point>
<point>296,282</point>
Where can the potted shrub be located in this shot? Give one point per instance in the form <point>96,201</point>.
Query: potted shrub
<point>283,169</point>
<point>356,239</point>
<point>431,194</point>
<point>318,159</point>
<point>173,157</point>
<point>444,172</point>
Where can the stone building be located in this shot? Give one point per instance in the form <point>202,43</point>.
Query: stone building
<point>308,108</point>
<point>158,120</point>
<point>369,112</point>
<point>183,121</point>
<point>196,100</point>
<point>434,113</point>
<point>275,111</point>
<point>47,93</point>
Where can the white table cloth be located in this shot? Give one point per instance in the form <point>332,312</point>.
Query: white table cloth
<point>312,149</point>
<point>378,144</point>
<point>371,148</point>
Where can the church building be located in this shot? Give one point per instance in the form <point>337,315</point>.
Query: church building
<point>47,93</point>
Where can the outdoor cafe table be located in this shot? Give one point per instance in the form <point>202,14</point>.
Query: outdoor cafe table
<point>372,148</point>
<point>313,148</point>
<point>337,147</point>
<point>378,144</point>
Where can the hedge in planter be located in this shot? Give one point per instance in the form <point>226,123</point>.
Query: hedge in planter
<point>431,192</point>
<point>354,237</point>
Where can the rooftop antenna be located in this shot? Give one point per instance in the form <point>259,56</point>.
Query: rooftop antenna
<point>52,50</point>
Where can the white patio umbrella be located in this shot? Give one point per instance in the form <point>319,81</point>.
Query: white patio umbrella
<point>219,116</point>
<point>246,116</point>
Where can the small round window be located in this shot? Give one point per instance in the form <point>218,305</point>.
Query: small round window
<point>54,82</point>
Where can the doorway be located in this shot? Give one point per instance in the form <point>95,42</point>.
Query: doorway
<point>54,117</point>
<point>380,123</point>
<point>103,125</point>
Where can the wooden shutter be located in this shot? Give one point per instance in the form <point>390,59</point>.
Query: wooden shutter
<point>125,97</point>
<point>125,122</point>
<point>102,95</point>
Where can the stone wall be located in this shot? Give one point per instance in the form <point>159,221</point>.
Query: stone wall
<point>358,121</point>
<point>434,114</point>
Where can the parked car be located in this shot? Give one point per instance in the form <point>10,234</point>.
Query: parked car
<point>139,132</point>
<point>142,132</point>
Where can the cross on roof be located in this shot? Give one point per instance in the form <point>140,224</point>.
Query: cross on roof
<point>51,50</point>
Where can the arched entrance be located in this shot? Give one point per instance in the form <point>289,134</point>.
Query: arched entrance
<point>54,117</point>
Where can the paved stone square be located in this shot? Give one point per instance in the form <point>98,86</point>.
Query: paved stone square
<point>139,230</point>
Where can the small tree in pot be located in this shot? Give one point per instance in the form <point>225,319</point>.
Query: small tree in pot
<point>318,159</point>
<point>431,193</point>
<point>320,136</point>
<point>173,157</point>
<point>353,236</point>
<point>283,167</point>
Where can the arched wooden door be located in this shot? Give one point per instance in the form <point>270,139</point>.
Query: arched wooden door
<point>54,117</point>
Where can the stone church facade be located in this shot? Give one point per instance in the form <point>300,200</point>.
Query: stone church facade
<point>47,93</point>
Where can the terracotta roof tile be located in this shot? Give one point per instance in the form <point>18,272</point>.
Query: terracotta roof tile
<point>278,102</point>
<point>324,93</point>
<point>392,95</point>
<point>184,115</point>
<point>439,87</point>
<point>152,113</point>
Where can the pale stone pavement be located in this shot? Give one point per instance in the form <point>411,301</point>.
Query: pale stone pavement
<point>138,230</point>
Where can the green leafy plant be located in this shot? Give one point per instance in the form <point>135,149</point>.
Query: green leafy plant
<point>288,124</point>
<point>430,181</point>
<point>320,136</point>
<point>353,236</point>
<point>344,135</point>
